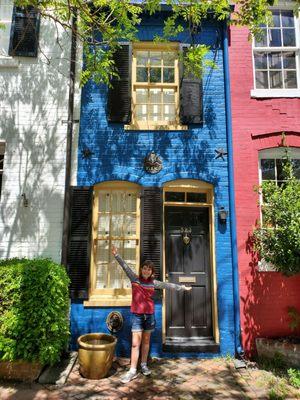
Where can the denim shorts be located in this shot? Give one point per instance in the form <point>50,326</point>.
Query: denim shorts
<point>143,322</point>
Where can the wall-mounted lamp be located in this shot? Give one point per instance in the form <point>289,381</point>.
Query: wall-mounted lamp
<point>223,214</point>
<point>25,200</point>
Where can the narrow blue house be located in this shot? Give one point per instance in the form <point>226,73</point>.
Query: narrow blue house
<point>154,180</point>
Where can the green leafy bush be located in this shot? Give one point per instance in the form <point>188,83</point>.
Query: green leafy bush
<point>278,240</point>
<point>34,306</point>
<point>294,377</point>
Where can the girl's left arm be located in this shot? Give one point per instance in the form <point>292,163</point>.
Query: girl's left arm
<point>167,285</point>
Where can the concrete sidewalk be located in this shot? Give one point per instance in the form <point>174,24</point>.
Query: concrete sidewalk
<point>184,379</point>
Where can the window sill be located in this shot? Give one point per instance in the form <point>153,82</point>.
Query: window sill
<point>270,93</point>
<point>101,301</point>
<point>8,62</point>
<point>137,127</point>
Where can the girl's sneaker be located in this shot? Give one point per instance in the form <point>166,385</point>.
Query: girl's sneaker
<point>145,370</point>
<point>129,376</point>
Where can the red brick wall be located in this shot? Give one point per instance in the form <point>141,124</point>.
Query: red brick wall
<point>257,124</point>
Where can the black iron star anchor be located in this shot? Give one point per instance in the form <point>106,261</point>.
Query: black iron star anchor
<point>221,153</point>
<point>86,153</point>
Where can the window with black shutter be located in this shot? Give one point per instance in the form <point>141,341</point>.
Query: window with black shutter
<point>191,95</point>
<point>24,32</point>
<point>119,91</point>
<point>116,222</point>
<point>79,243</point>
<point>151,227</point>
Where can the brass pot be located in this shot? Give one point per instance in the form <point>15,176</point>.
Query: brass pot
<point>95,354</point>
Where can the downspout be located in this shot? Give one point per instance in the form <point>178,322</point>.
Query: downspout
<point>66,215</point>
<point>232,214</point>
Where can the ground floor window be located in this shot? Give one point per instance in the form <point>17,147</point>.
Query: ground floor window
<point>271,169</point>
<point>115,222</point>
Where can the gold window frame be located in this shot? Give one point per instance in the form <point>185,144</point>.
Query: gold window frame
<point>155,125</point>
<point>111,296</point>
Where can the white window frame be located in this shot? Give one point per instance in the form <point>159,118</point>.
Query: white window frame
<point>260,93</point>
<point>272,153</point>
<point>6,13</point>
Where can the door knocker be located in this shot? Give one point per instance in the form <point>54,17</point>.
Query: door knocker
<point>186,234</point>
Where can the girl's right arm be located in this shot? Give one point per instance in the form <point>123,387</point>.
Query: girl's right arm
<point>128,271</point>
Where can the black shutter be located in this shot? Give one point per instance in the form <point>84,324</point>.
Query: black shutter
<point>24,32</point>
<point>151,227</point>
<point>119,93</point>
<point>79,243</point>
<point>191,95</point>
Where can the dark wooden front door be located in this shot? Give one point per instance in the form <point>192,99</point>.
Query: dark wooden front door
<point>188,314</point>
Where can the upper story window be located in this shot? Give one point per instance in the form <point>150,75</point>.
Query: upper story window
<point>155,87</point>
<point>276,56</point>
<point>2,149</point>
<point>152,90</point>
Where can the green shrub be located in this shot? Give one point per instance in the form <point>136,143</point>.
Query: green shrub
<point>34,306</point>
<point>294,377</point>
<point>278,240</point>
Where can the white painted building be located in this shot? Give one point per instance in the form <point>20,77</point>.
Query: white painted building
<point>34,93</point>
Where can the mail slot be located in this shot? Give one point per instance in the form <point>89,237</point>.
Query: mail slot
<point>187,279</point>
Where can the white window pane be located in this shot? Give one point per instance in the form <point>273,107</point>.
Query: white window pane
<point>130,257</point>
<point>261,79</point>
<point>103,225</point>
<point>104,202</point>
<point>275,60</point>
<point>155,58</point>
<point>141,112</point>
<point>289,60</point>
<point>115,274</point>
<point>117,225</point>
<point>155,95</point>
<point>290,79</point>
<point>168,58</point>
<point>261,61</point>
<point>130,202</point>
<point>261,41</point>
<point>276,18</point>
<point>155,112</point>
<point>169,75</point>
<point>102,255</point>
<point>169,112</point>
<point>275,80</point>
<point>155,75</point>
<point>101,276</point>
<point>289,37</point>
<point>267,169</point>
<point>287,18</point>
<point>141,95</point>
<point>169,96</point>
<point>142,74</point>
<point>275,37</point>
<point>117,203</point>
<point>142,58</point>
<point>129,225</point>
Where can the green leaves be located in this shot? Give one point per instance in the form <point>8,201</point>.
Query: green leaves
<point>278,240</point>
<point>102,23</point>
<point>34,311</point>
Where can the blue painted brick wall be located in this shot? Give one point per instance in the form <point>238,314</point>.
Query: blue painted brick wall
<point>119,154</point>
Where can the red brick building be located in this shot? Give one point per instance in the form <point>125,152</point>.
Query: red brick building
<point>265,96</point>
